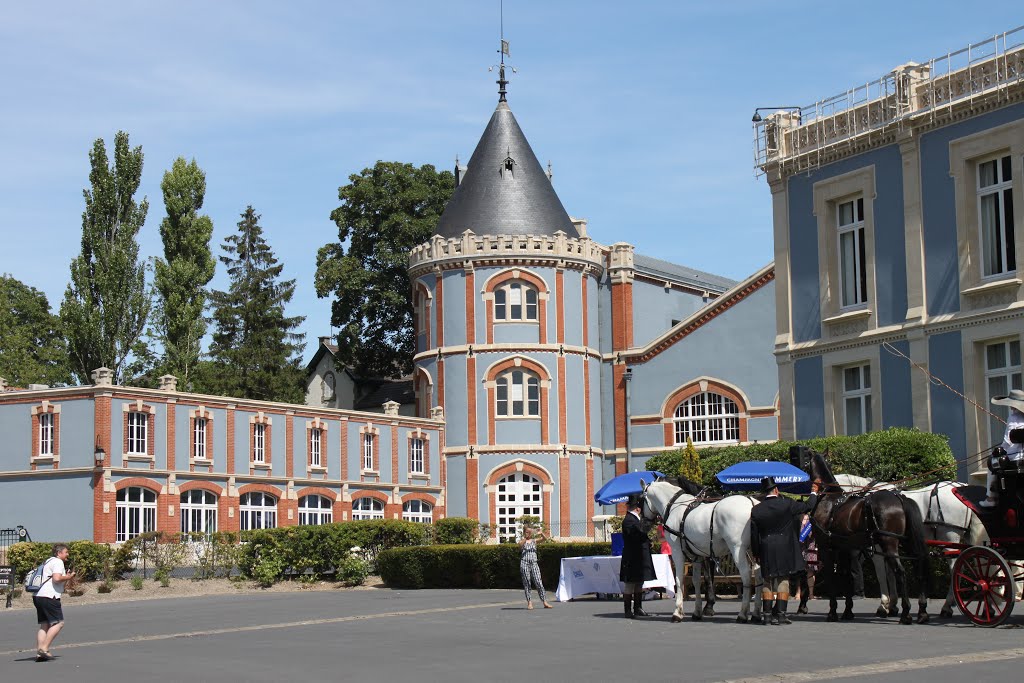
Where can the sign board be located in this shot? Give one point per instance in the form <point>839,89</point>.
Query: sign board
<point>6,577</point>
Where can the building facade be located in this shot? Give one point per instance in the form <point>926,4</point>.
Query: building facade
<point>899,233</point>
<point>108,462</point>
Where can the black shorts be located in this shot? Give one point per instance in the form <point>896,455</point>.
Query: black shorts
<point>48,610</point>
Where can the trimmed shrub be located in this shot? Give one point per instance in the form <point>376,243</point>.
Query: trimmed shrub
<point>456,530</point>
<point>474,566</point>
<point>896,453</point>
<point>85,558</point>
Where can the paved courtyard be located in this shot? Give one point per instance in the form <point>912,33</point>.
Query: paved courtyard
<point>440,635</point>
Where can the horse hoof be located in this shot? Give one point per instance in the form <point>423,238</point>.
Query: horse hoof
<point>802,609</point>
<point>696,616</point>
<point>832,616</point>
<point>676,618</point>
<point>847,616</point>
<point>742,619</point>
<point>906,620</point>
<point>922,618</point>
<point>893,611</point>
<point>709,611</point>
<point>946,614</point>
<point>882,612</point>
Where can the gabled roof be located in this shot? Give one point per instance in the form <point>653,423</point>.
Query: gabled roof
<point>398,390</point>
<point>505,191</point>
<point>659,268</point>
<point>320,351</point>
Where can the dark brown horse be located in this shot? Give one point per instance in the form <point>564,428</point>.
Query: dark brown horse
<point>846,522</point>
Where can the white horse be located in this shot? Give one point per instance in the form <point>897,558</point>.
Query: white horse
<point>945,516</point>
<point>696,530</point>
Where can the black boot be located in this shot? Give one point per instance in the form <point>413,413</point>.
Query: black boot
<point>627,604</point>
<point>638,601</point>
<point>783,618</point>
<point>766,609</point>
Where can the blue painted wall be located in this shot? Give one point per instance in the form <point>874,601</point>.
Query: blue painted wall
<point>62,513</point>
<point>809,390</point>
<point>78,423</point>
<point>654,309</point>
<point>897,402</point>
<point>945,360</point>
<point>454,307</point>
<point>456,495</point>
<point>16,427</point>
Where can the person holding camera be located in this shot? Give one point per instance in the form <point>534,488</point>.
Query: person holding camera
<point>529,567</point>
<point>49,614</point>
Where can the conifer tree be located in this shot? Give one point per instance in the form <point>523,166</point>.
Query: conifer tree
<point>689,465</point>
<point>106,305</point>
<point>255,352</point>
<point>181,276</point>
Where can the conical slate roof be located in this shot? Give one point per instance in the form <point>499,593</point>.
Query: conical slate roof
<point>505,190</point>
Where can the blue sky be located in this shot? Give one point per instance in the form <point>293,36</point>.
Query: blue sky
<point>644,111</point>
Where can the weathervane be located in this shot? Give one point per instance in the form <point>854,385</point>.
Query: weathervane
<point>502,81</point>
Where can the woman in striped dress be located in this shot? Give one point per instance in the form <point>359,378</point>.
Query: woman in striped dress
<point>529,568</point>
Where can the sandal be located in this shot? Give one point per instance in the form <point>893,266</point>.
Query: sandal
<point>44,656</point>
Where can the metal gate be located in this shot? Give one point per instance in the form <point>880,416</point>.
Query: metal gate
<point>9,537</point>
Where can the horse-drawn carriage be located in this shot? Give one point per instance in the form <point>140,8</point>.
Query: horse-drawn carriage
<point>986,578</point>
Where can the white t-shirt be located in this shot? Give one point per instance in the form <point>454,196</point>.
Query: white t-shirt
<point>51,588</point>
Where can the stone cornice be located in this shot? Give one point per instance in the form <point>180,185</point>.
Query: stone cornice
<point>524,250</point>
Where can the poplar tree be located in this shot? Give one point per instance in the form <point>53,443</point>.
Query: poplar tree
<point>187,267</point>
<point>32,348</point>
<point>106,306</point>
<point>255,352</point>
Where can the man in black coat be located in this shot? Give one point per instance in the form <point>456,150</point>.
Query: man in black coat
<point>637,564</point>
<point>776,546</point>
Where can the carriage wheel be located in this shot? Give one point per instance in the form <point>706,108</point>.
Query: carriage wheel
<point>983,586</point>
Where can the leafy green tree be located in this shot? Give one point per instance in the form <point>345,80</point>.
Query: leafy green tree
<point>32,347</point>
<point>187,267</point>
<point>255,352</point>
<point>106,305</point>
<point>689,465</point>
<point>385,212</point>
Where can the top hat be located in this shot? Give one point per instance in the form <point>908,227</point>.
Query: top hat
<point>633,501</point>
<point>768,485</point>
<point>1014,400</point>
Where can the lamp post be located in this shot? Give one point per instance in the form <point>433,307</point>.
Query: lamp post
<point>757,112</point>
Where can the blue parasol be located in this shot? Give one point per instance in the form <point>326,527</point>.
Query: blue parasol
<point>746,476</point>
<point>620,488</point>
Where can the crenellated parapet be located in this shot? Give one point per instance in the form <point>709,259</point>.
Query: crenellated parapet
<point>439,252</point>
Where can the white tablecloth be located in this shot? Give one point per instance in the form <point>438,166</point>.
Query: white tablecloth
<point>600,574</point>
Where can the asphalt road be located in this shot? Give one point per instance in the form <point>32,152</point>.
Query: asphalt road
<point>435,635</point>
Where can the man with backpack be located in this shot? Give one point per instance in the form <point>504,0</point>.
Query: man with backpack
<point>47,601</point>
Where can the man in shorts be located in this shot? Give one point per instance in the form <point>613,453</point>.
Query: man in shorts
<point>47,601</point>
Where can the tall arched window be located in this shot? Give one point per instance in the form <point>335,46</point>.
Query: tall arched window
<point>707,418</point>
<point>314,509</point>
<point>518,495</point>
<point>367,508</point>
<point>517,394</point>
<point>258,510</point>
<point>198,512</point>
<point>417,511</point>
<point>136,512</point>
<point>515,301</point>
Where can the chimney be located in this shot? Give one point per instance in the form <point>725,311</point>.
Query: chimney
<point>3,385</point>
<point>391,407</point>
<point>103,377</point>
<point>324,341</point>
<point>168,383</point>
<point>460,171</point>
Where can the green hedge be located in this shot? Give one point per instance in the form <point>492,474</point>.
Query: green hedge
<point>895,453</point>
<point>85,558</point>
<point>475,566</point>
<point>456,530</point>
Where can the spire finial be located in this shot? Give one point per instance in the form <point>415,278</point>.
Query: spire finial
<point>502,81</point>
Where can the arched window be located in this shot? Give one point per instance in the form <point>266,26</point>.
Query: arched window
<point>198,512</point>
<point>417,511</point>
<point>314,509</point>
<point>518,495</point>
<point>707,418</point>
<point>136,512</point>
<point>517,395</point>
<point>367,508</point>
<point>515,301</point>
<point>258,510</point>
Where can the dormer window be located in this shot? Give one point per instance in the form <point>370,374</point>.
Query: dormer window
<point>515,301</point>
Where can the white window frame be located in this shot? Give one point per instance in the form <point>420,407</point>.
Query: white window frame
<point>510,396</point>
<point>315,456</point>
<point>259,442</point>
<point>136,514</point>
<point>138,436</point>
<point>516,495</point>
<point>47,435</point>
<point>416,463</point>
<point>418,511</point>
<point>1001,190</point>
<point>516,301</point>
<point>198,512</point>
<point>199,438</point>
<point>860,395</point>
<point>367,508</point>
<point>257,510</point>
<point>368,439</point>
<point>1009,373</point>
<point>707,418</point>
<point>322,512</point>
<point>854,231</point>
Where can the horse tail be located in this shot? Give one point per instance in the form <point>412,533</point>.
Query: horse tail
<point>916,535</point>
